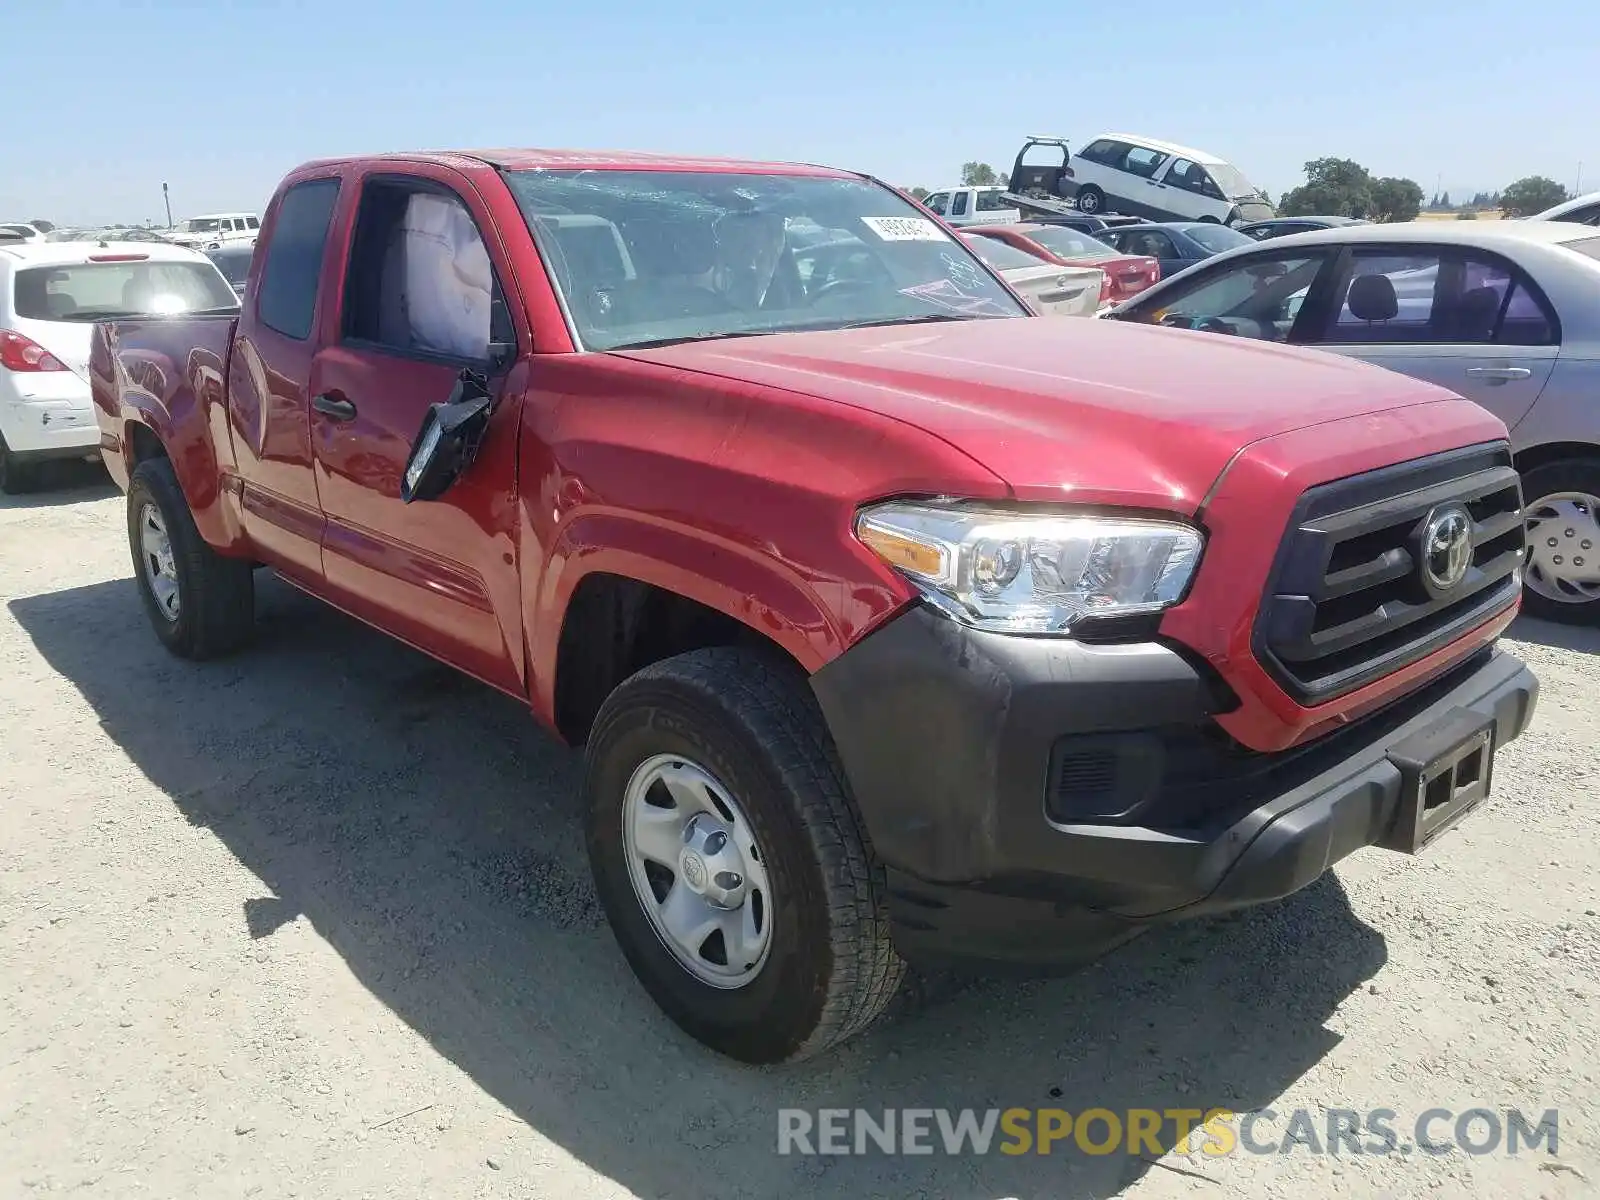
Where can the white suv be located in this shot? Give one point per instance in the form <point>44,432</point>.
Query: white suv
<point>51,294</point>
<point>1161,181</point>
<point>217,229</point>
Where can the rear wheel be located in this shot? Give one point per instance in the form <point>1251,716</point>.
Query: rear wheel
<point>1562,503</point>
<point>730,860</point>
<point>16,478</point>
<point>200,604</point>
<point>1091,199</point>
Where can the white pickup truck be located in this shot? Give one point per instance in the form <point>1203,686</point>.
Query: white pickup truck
<point>988,205</point>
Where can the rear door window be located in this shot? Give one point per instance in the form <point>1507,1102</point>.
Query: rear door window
<point>286,299</point>
<point>991,201</point>
<point>958,204</point>
<point>1497,304</point>
<point>1143,162</point>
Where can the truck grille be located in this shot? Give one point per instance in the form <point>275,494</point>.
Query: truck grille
<point>1352,597</point>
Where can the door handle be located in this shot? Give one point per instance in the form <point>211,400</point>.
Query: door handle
<point>1499,374</point>
<point>333,404</point>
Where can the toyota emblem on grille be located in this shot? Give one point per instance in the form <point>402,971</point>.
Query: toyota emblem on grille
<point>1446,548</point>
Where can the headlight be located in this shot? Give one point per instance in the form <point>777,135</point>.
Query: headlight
<point>1016,572</point>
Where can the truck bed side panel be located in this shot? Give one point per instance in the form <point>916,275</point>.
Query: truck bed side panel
<point>169,376</point>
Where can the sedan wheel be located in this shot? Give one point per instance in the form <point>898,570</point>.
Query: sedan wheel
<point>1564,547</point>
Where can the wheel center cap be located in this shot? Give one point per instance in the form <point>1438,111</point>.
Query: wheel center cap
<point>693,868</point>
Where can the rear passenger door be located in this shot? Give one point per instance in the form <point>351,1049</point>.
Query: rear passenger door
<point>419,299</point>
<point>960,207</point>
<point>1466,320</point>
<point>268,373</point>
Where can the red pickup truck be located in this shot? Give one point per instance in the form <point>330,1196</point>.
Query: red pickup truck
<point>897,624</point>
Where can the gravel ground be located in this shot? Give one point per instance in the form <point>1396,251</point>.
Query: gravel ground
<point>315,921</point>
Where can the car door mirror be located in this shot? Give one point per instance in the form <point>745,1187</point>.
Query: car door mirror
<point>448,441</point>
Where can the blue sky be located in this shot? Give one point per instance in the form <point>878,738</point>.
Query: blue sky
<point>104,101</point>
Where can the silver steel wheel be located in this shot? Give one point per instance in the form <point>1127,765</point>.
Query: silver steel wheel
<point>155,553</point>
<point>697,871</point>
<point>1564,547</point>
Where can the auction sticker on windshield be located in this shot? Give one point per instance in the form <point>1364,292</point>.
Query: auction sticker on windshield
<point>905,229</point>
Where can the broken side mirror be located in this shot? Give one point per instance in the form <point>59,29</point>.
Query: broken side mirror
<point>448,441</point>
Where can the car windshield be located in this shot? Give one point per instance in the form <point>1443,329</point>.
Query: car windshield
<point>1232,182</point>
<point>651,257</point>
<point>1069,243</point>
<point>1217,238</point>
<point>234,264</point>
<point>103,291</point>
<point>1000,255</point>
<point>202,225</point>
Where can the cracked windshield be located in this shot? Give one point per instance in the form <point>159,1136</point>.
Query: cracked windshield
<point>650,257</point>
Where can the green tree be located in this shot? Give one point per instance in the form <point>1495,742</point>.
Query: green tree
<point>1396,199</point>
<point>1334,187</point>
<point>1445,201</point>
<point>978,174</point>
<point>1531,195</point>
<point>921,193</point>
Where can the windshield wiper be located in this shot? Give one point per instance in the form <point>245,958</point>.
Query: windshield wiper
<point>918,319</point>
<point>653,343</point>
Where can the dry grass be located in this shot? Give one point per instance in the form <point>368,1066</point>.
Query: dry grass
<point>1487,214</point>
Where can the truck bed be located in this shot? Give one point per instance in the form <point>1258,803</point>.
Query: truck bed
<point>161,368</point>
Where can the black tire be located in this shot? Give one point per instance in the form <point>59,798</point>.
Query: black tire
<point>1567,475</point>
<point>216,595</point>
<point>16,478</point>
<point>754,724</point>
<point>1091,200</point>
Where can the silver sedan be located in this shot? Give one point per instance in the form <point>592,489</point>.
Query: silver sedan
<point>1506,313</point>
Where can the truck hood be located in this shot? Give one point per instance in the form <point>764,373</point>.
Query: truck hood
<point>1095,412</point>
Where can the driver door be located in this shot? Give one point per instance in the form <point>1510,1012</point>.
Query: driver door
<point>420,300</point>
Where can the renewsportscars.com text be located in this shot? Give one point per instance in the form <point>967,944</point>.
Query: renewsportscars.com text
<point>1152,1131</point>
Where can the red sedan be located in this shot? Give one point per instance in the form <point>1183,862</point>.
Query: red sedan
<point>1126,274</point>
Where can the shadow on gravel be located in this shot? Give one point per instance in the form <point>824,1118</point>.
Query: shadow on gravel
<point>68,481</point>
<point>1582,638</point>
<point>429,831</point>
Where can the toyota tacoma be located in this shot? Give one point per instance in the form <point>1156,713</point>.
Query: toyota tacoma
<point>897,624</point>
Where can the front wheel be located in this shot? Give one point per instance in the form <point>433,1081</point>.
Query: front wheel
<point>730,860</point>
<point>1091,200</point>
<point>1562,500</point>
<point>200,604</point>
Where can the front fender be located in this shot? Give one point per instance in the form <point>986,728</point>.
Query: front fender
<point>768,595</point>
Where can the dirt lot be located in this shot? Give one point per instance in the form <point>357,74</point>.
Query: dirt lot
<point>315,922</point>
